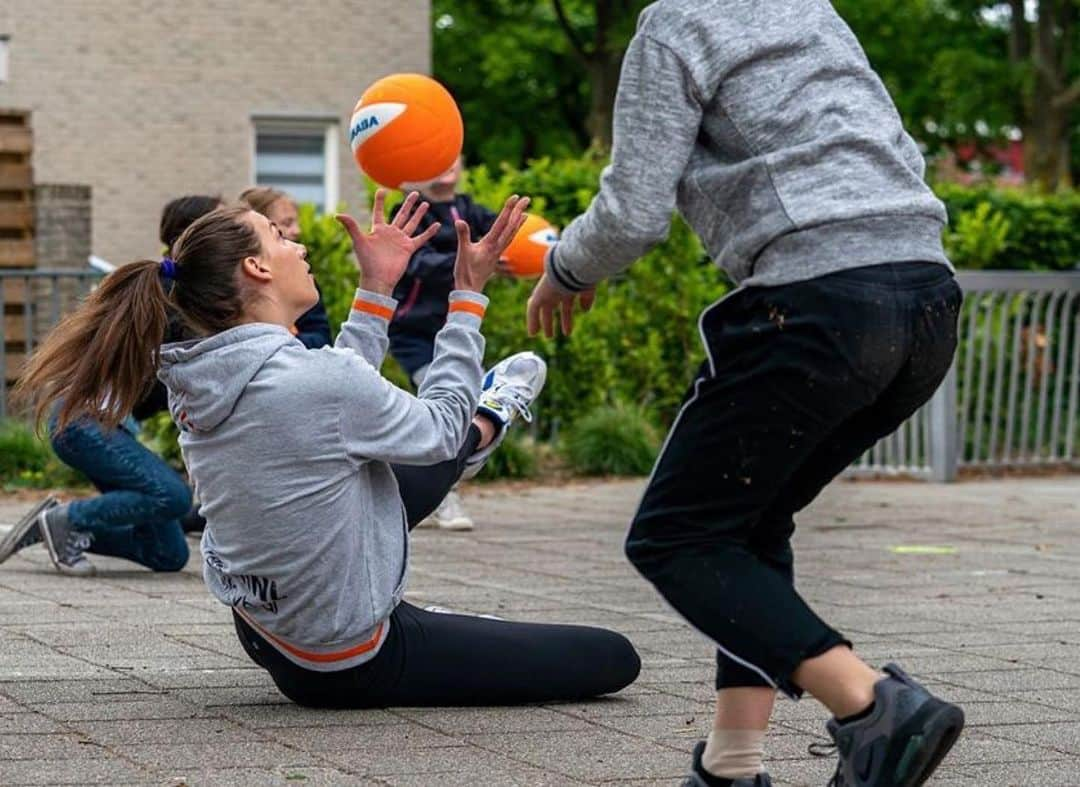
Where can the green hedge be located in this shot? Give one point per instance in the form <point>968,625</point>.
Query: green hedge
<point>1042,231</point>
<point>639,345</point>
<point>617,440</point>
<point>27,460</point>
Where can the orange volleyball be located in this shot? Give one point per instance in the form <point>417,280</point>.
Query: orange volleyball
<point>525,254</point>
<point>405,127</point>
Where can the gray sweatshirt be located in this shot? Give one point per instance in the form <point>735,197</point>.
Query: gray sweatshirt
<point>762,122</point>
<point>289,449</point>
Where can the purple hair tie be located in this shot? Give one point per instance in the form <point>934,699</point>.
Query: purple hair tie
<point>168,269</point>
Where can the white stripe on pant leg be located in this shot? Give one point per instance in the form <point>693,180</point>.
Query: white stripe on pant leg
<point>667,440</point>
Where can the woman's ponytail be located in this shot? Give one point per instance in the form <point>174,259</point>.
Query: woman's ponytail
<point>101,360</point>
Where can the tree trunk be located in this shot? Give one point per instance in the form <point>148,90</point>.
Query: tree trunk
<point>1046,150</point>
<point>603,70</point>
<point>1046,119</point>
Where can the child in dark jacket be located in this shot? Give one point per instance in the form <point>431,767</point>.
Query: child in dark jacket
<point>422,297</point>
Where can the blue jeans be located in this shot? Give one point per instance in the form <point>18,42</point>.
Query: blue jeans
<point>136,517</point>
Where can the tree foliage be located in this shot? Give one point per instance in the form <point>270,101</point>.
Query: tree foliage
<point>533,77</point>
<point>537,77</point>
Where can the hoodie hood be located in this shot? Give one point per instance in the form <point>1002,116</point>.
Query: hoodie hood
<point>206,377</point>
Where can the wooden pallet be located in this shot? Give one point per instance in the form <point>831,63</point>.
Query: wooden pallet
<point>16,176</point>
<point>16,252</point>
<point>17,216</point>
<point>16,232</point>
<point>16,190</point>
<point>14,358</point>
<point>14,328</point>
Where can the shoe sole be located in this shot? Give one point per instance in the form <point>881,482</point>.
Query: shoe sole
<point>456,525</point>
<point>51,548</point>
<point>13,536</point>
<point>927,748</point>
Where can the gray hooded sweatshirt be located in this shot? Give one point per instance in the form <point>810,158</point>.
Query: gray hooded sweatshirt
<point>289,448</point>
<point>763,123</point>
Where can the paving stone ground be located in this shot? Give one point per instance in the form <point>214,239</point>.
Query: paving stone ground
<point>136,678</point>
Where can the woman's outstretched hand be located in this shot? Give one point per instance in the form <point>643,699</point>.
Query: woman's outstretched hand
<point>383,253</point>
<point>477,262</point>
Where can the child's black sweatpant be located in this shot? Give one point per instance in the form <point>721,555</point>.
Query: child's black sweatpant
<point>800,381</point>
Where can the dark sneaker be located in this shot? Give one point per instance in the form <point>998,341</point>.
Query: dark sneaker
<point>65,544</point>
<point>26,532</point>
<point>699,778</point>
<point>902,741</point>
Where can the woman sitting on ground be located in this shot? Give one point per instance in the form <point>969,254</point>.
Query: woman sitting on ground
<point>311,467</point>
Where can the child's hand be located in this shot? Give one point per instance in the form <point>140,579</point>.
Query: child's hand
<point>383,254</point>
<point>476,262</point>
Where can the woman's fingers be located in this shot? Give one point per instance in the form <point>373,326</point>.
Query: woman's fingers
<point>414,220</point>
<point>501,220</point>
<point>402,216</point>
<point>517,221</point>
<point>378,210</point>
<point>426,235</point>
<point>350,225</point>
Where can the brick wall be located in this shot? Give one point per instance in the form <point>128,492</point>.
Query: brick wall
<point>62,215</point>
<point>144,100</point>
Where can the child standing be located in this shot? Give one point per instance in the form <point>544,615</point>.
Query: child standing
<point>762,122</point>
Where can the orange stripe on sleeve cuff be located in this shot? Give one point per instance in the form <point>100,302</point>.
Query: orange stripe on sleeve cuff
<point>377,309</point>
<point>469,307</point>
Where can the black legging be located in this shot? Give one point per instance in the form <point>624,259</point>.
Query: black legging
<point>436,658</point>
<point>423,488</point>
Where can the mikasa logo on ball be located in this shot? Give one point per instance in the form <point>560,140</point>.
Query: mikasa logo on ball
<point>546,237</point>
<point>370,120</point>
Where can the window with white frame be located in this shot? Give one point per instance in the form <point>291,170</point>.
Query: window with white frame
<point>299,157</point>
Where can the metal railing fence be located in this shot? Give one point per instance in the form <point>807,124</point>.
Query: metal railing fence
<point>1010,400</point>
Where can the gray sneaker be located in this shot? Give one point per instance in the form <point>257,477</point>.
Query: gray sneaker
<point>698,777</point>
<point>26,532</point>
<point>508,389</point>
<point>902,741</point>
<point>65,544</point>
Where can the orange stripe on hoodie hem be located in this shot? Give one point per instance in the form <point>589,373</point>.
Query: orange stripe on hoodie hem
<point>318,658</point>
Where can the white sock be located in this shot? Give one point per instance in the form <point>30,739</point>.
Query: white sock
<point>734,754</point>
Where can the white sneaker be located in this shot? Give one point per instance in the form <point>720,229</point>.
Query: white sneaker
<point>508,389</point>
<point>450,515</point>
